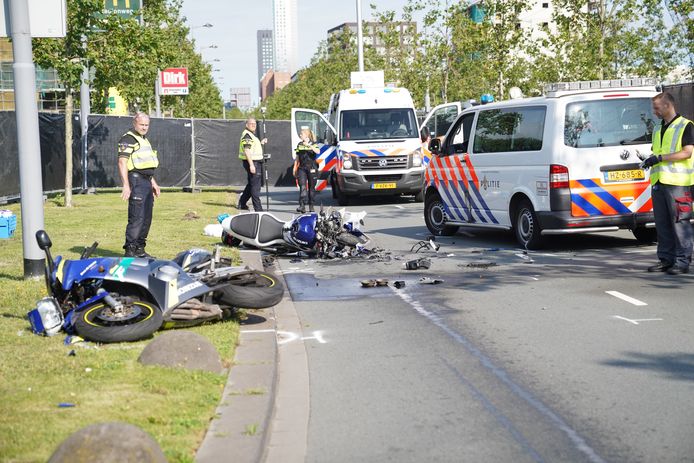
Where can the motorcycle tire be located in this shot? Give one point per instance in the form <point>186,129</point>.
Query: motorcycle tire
<point>250,290</point>
<point>347,239</point>
<point>97,322</point>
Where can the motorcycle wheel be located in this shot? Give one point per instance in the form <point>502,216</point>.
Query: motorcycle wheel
<point>99,323</point>
<point>250,290</point>
<point>347,239</point>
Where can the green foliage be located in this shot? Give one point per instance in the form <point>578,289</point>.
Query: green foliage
<point>451,57</point>
<point>105,382</point>
<point>125,54</point>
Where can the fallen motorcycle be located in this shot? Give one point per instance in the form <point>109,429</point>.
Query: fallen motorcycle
<point>107,299</point>
<point>328,233</point>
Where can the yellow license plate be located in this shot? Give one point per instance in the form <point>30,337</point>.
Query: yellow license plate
<point>383,186</point>
<point>624,175</point>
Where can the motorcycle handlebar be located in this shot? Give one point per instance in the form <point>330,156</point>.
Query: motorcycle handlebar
<point>88,251</point>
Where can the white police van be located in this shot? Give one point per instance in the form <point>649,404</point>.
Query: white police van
<point>369,142</point>
<point>567,162</point>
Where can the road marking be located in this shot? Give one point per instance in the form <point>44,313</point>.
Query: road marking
<point>625,298</point>
<point>399,207</point>
<point>256,331</point>
<point>285,337</point>
<point>636,321</point>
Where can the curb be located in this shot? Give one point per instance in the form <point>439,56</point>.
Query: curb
<point>263,412</point>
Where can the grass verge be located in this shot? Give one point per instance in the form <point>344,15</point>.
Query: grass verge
<point>103,382</point>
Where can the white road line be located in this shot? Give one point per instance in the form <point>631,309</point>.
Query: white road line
<point>626,298</point>
<point>399,207</point>
<point>257,331</point>
<point>636,321</point>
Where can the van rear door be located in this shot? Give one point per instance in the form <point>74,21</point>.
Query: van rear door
<point>325,138</point>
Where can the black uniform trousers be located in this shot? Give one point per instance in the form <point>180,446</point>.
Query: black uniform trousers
<point>140,207</point>
<point>306,176</point>
<point>252,190</point>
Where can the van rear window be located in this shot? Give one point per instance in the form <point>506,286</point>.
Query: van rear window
<point>510,129</point>
<point>613,122</point>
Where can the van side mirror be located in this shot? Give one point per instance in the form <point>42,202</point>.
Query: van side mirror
<point>435,146</point>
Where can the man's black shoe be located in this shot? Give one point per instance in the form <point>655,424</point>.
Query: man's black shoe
<point>661,267</point>
<point>140,252</point>
<point>130,251</point>
<point>677,270</point>
<point>301,209</point>
<point>242,208</point>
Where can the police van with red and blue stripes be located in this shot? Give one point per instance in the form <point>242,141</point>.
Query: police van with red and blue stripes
<point>566,162</point>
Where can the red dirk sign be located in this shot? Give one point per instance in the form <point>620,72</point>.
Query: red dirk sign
<point>174,81</point>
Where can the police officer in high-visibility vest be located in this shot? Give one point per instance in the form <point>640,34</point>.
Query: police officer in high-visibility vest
<point>137,163</point>
<point>305,169</point>
<point>672,175</point>
<point>251,153</point>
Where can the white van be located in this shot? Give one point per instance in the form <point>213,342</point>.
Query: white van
<point>369,141</point>
<point>567,162</point>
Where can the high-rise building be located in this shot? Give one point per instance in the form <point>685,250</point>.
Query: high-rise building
<point>285,37</point>
<point>240,97</point>
<point>265,52</point>
<point>273,81</point>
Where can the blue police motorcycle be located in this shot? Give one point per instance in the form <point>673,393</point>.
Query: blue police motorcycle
<point>328,233</point>
<point>119,299</point>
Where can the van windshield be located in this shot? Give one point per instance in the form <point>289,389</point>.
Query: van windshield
<point>378,124</point>
<point>627,121</point>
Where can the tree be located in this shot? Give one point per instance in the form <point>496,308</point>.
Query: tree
<point>125,54</point>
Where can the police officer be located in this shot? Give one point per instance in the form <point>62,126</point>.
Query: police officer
<point>305,169</point>
<point>251,153</point>
<point>672,174</point>
<point>137,162</point>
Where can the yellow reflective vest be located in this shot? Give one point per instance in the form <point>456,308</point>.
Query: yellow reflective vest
<point>681,172</point>
<point>143,157</point>
<point>255,146</point>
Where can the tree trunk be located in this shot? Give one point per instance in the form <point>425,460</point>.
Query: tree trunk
<point>68,146</point>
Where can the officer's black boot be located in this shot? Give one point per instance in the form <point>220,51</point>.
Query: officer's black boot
<point>301,209</point>
<point>310,208</point>
<point>130,250</point>
<point>140,252</point>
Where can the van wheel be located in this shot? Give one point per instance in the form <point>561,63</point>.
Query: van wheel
<point>645,235</point>
<point>527,227</point>
<point>434,216</point>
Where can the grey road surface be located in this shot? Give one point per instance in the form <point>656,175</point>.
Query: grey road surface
<point>569,354</point>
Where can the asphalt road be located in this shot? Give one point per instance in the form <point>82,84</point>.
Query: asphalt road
<point>570,354</point>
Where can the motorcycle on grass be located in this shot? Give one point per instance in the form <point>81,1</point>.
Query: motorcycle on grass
<point>107,299</point>
<point>326,234</point>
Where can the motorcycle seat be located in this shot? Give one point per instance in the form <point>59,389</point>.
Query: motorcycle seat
<point>270,229</point>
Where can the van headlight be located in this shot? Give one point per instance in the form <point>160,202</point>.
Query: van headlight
<point>346,161</point>
<point>417,158</point>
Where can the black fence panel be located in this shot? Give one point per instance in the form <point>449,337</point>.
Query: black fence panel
<point>52,135</point>
<point>170,137</point>
<point>9,156</point>
<point>216,152</point>
<point>684,98</point>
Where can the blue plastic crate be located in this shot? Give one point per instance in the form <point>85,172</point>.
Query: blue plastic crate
<point>7,226</point>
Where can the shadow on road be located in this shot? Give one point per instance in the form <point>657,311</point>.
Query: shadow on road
<point>679,365</point>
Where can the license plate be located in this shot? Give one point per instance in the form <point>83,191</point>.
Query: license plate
<point>383,186</point>
<point>624,175</point>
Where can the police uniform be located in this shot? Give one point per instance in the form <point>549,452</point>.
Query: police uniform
<point>252,191</point>
<point>671,194</point>
<point>306,174</point>
<point>142,163</point>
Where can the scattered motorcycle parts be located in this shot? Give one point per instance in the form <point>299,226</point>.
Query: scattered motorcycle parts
<point>415,264</point>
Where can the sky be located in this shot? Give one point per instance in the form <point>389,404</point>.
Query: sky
<point>234,32</point>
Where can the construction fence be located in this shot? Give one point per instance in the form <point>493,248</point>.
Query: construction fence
<point>201,150</point>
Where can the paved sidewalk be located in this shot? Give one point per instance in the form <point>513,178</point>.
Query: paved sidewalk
<point>263,413</point>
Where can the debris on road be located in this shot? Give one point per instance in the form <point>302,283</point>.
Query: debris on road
<point>416,264</point>
<point>481,264</point>
<point>429,281</point>
<point>399,284</point>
